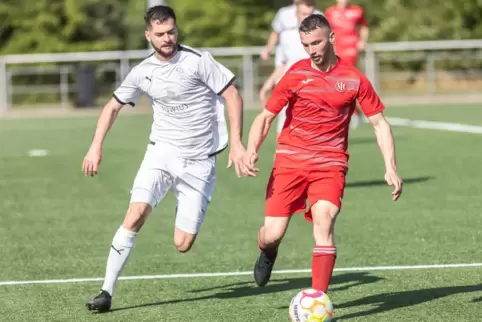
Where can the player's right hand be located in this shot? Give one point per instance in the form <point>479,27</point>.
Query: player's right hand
<point>90,165</point>
<point>264,55</point>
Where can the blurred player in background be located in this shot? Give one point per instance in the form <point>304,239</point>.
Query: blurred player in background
<point>185,86</point>
<point>289,50</point>
<point>311,156</point>
<point>350,26</point>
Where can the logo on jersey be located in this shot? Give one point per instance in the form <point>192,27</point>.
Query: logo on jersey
<point>340,86</point>
<point>306,81</point>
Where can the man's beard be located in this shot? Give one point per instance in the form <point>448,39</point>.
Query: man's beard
<point>164,54</point>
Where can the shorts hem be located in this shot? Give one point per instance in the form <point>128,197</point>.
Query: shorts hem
<point>144,196</point>
<point>286,214</point>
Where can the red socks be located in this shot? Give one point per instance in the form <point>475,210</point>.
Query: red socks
<point>322,267</point>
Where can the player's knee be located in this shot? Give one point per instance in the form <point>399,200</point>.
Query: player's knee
<point>136,216</point>
<point>324,215</point>
<point>183,241</point>
<point>324,212</point>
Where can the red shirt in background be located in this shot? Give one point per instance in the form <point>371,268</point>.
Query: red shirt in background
<point>345,23</point>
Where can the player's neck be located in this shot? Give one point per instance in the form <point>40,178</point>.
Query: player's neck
<point>165,58</point>
<point>327,64</point>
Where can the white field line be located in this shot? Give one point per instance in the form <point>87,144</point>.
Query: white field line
<point>227,274</point>
<point>430,125</point>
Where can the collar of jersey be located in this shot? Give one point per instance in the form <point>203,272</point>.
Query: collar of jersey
<point>174,59</point>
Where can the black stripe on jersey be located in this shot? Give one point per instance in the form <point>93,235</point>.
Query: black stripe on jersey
<point>227,85</point>
<point>123,103</point>
<point>218,151</point>
<point>189,50</point>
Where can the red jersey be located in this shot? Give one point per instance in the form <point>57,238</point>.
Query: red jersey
<point>345,23</point>
<point>320,105</point>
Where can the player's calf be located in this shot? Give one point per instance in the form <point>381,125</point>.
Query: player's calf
<point>269,239</point>
<point>120,250</point>
<point>324,253</point>
<point>136,216</point>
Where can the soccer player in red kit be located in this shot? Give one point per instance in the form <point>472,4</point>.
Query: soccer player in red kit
<point>350,26</point>
<point>311,155</point>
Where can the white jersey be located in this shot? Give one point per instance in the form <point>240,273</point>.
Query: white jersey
<point>286,24</point>
<point>185,94</point>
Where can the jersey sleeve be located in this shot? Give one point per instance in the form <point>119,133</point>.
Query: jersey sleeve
<point>277,23</point>
<point>129,91</point>
<point>217,77</point>
<point>281,95</point>
<point>363,19</point>
<point>369,101</point>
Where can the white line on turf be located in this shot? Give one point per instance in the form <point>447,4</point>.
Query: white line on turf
<point>430,125</point>
<point>227,274</point>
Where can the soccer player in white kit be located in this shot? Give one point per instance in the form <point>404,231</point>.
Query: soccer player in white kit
<point>187,88</point>
<point>289,50</point>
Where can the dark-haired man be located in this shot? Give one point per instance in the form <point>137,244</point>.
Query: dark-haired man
<point>311,156</point>
<point>187,89</point>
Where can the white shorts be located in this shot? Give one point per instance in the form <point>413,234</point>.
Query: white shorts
<point>192,182</point>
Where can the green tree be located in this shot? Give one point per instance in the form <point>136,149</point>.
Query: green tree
<point>61,25</point>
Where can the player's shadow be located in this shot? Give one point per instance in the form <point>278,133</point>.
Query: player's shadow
<point>242,289</point>
<point>371,183</point>
<point>245,289</point>
<point>391,301</point>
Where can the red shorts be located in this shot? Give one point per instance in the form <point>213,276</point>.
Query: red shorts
<point>289,189</point>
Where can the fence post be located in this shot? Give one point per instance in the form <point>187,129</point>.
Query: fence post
<point>371,67</point>
<point>123,69</point>
<point>64,86</point>
<point>431,76</point>
<point>248,79</point>
<point>4,106</point>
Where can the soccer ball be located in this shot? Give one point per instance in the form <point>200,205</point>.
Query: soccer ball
<point>311,306</point>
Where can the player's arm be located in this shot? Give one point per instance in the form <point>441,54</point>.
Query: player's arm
<point>373,109</point>
<point>363,32</point>
<point>234,106</point>
<point>262,123</point>
<point>220,80</point>
<point>270,45</point>
<point>271,82</point>
<point>127,93</point>
<point>273,38</point>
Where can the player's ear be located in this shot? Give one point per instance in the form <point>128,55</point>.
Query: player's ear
<point>332,37</point>
<point>148,35</point>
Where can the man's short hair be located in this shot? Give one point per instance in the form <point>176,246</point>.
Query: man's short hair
<point>312,22</point>
<point>309,3</point>
<point>159,13</point>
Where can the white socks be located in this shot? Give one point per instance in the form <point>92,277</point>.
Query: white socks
<point>119,253</point>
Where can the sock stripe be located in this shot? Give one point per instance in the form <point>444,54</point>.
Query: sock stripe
<point>325,253</point>
<point>328,250</point>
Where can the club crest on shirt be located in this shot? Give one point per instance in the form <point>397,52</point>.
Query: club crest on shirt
<point>340,86</point>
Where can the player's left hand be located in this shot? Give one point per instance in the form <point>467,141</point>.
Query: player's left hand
<point>236,154</point>
<point>250,159</point>
<point>393,179</point>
